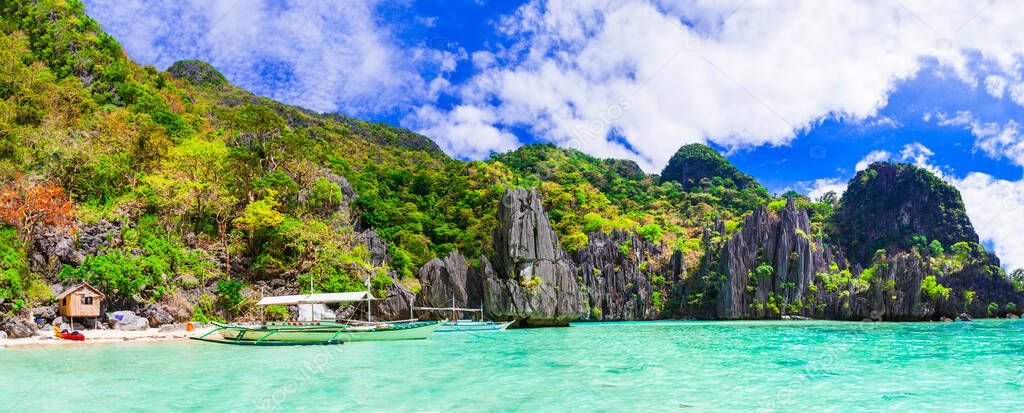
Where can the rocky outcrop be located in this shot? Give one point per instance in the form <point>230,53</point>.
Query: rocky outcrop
<point>377,247</point>
<point>47,313</point>
<point>772,268</point>
<point>531,280</point>
<point>156,315</point>
<point>617,271</point>
<point>770,264</point>
<point>395,304</point>
<point>327,208</point>
<point>54,248</point>
<point>17,327</point>
<point>886,205</point>
<point>128,321</point>
<point>446,283</point>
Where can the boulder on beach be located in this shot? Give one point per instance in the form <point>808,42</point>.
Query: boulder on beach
<point>156,314</point>
<point>963,317</point>
<point>47,313</point>
<point>1012,316</point>
<point>17,327</point>
<point>128,321</point>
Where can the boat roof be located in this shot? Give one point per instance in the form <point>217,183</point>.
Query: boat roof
<point>447,309</point>
<point>328,298</point>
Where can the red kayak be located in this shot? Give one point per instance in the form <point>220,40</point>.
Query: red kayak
<point>74,335</point>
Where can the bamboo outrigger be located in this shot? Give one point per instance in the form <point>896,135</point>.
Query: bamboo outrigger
<point>456,324</point>
<point>326,331</point>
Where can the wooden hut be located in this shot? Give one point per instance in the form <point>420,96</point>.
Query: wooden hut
<point>82,300</point>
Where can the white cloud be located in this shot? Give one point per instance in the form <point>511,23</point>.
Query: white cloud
<point>997,140</point>
<point>920,155</point>
<point>468,131</point>
<point>818,187</point>
<point>1017,93</point>
<point>872,157</point>
<point>314,54</point>
<point>995,207</point>
<point>738,73</point>
<point>995,86</point>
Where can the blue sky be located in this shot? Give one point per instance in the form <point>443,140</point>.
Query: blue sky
<point>798,94</point>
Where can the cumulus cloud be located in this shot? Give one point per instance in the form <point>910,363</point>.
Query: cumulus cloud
<point>818,187</point>
<point>314,54</point>
<point>872,157</point>
<point>995,207</point>
<point>995,86</point>
<point>997,140</point>
<point>737,73</point>
<point>1017,93</point>
<point>468,131</point>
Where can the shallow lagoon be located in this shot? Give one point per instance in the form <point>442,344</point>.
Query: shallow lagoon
<point>636,366</point>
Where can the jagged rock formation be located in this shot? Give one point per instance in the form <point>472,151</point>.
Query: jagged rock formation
<point>770,262</point>
<point>532,280</point>
<point>886,205</point>
<point>377,247</point>
<point>56,248</point>
<point>615,269</point>
<point>395,304</point>
<point>772,268</point>
<point>442,281</point>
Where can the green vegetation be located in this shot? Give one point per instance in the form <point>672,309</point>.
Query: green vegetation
<point>212,190</point>
<point>932,290</point>
<point>935,209</point>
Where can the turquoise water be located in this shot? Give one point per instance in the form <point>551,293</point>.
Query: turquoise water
<point>672,366</point>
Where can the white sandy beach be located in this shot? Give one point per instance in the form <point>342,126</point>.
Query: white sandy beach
<point>151,335</point>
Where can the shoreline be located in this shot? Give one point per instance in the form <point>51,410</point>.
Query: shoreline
<point>155,335</point>
<point>150,335</point>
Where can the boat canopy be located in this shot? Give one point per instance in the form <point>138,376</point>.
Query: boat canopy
<point>328,298</point>
<point>468,310</point>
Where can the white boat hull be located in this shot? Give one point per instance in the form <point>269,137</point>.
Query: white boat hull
<point>329,333</point>
<point>472,326</point>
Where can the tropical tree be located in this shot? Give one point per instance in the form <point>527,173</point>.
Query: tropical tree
<point>29,207</point>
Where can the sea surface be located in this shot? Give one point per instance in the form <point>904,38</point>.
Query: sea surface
<point>800,366</point>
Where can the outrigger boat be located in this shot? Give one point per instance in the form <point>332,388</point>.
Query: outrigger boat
<point>455,324</point>
<point>325,331</point>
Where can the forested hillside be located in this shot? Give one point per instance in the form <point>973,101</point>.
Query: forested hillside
<point>176,189</point>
